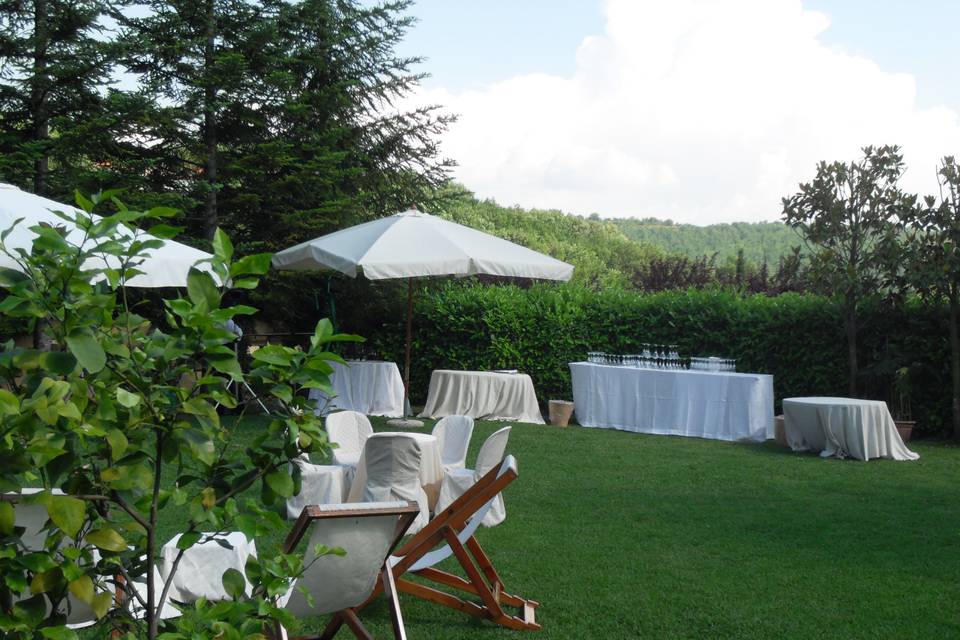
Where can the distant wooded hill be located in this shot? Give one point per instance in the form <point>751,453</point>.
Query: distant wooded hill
<point>759,240</point>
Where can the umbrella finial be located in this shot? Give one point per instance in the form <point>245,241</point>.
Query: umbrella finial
<point>413,207</point>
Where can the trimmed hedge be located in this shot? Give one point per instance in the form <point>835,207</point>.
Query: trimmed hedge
<point>798,338</point>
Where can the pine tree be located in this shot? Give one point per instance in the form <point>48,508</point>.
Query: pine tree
<point>54,65</point>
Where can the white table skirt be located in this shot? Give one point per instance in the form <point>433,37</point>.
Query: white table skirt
<point>715,405</point>
<point>371,387</point>
<point>842,427</point>
<point>483,395</point>
<point>200,572</point>
<point>431,468</point>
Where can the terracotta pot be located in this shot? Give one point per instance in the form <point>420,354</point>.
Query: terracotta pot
<point>779,431</point>
<point>905,428</point>
<point>560,412</point>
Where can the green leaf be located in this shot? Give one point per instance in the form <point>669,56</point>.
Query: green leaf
<point>222,247</point>
<point>234,583</point>
<point>87,350</point>
<point>107,539</point>
<point>60,362</point>
<point>188,539</point>
<point>7,518</point>
<point>202,290</point>
<point>66,512</point>
<point>59,633</point>
<point>101,603</point>
<point>281,483</point>
<point>127,399</point>
<point>257,264</point>
<point>82,589</point>
<point>165,231</point>
<point>46,581</point>
<point>118,443</point>
<point>9,404</point>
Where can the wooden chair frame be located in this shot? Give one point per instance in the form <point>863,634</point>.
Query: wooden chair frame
<point>482,578</point>
<point>349,616</point>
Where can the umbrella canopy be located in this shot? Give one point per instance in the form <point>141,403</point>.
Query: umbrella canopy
<point>414,244</point>
<point>164,267</point>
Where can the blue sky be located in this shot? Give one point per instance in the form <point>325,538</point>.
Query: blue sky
<point>470,43</point>
<point>698,110</point>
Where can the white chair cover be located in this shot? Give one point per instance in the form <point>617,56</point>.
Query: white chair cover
<point>453,439</point>
<point>393,473</point>
<point>440,554</point>
<point>457,481</point>
<point>339,582</point>
<point>319,484</point>
<point>349,430</point>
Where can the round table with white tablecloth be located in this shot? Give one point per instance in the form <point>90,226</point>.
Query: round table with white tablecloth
<point>482,395</point>
<point>373,388</point>
<point>841,427</point>
<point>431,468</point>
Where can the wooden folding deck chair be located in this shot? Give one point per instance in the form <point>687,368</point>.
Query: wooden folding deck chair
<point>454,529</point>
<point>368,532</point>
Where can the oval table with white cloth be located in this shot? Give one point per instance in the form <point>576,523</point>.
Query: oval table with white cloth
<point>702,404</point>
<point>431,468</point>
<point>841,427</point>
<point>482,395</point>
<point>372,387</point>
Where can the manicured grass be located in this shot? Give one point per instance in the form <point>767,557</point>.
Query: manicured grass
<point>622,535</point>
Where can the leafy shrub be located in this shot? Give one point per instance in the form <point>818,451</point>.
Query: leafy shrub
<point>796,337</point>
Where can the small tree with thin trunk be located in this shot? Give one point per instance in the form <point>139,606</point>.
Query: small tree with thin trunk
<point>931,262</point>
<point>845,216</point>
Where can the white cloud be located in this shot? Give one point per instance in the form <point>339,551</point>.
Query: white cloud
<point>697,110</point>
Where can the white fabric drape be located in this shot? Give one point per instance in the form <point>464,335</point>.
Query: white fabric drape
<point>453,439</point>
<point>389,470</point>
<point>482,395</point>
<point>349,430</point>
<point>456,482</point>
<point>336,582</point>
<point>842,427</point>
<point>369,387</point>
<point>320,484</point>
<point>200,572</point>
<point>720,406</point>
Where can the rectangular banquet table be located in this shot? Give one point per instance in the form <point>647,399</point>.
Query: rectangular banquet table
<point>702,404</point>
<point>841,427</point>
<point>371,387</point>
<point>484,395</point>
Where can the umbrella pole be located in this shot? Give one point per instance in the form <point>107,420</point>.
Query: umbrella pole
<point>407,421</point>
<point>406,360</point>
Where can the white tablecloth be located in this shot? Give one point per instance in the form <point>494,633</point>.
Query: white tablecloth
<point>373,388</point>
<point>200,572</point>
<point>431,468</point>
<point>843,427</point>
<point>720,406</point>
<point>482,395</point>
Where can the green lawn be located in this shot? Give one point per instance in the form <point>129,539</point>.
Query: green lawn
<point>621,535</point>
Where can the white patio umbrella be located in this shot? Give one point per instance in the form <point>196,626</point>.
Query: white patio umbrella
<point>413,244</point>
<point>167,266</point>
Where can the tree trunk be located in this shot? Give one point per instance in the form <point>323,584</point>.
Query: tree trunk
<point>850,317</point>
<point>955,362</point>
<point>210,221</point>
<point>38,96</point>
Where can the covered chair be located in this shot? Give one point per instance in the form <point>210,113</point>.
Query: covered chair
<point>392,472</point>
<point>349,430</point>
<point>451,533</point>
<point>338,584</point>
<point>453,438</point>
<point>457,481</point>
<point>319,484</point>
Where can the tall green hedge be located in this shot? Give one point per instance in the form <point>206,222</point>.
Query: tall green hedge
<point>797,338</point>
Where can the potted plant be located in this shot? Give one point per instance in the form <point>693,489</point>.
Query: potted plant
<point>902,412</point>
